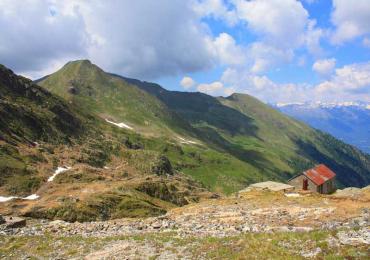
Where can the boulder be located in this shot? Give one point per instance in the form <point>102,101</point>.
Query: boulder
<point>269,186</point>
<point>15,222</point>
<point>162,166</point>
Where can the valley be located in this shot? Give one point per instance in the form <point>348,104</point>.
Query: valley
<point>348,121</point>
<point>118,164</point>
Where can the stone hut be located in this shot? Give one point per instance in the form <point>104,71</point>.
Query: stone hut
<point>318,179</point>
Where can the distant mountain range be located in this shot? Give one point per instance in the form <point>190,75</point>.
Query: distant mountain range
<point>347,121</point>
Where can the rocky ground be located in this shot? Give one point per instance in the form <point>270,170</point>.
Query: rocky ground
<point>299,226</point>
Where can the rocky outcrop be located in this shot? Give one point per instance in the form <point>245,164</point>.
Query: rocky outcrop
<point>162,166</point>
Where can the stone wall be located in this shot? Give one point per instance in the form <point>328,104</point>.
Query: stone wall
<point>298,183</point>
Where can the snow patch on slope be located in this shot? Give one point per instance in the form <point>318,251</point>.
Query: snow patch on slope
<point>59,170</point>
<point>120,125</point>
<point>185,141</point>
<point>5,199</point>
<point>30,197</point>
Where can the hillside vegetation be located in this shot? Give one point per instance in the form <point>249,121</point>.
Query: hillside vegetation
<point>133,149</point>
<point>109,172</point>
<point>234,141</point>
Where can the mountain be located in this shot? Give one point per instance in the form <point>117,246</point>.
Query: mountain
<point>225,143</point>
<point>93,90</point>
<point>30,114</point>
<point>348,121</point>
<point>59,161</point>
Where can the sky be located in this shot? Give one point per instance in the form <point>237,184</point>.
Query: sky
<point>276,50</point>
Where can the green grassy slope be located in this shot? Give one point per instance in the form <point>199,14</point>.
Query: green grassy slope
<point>266,143</point>
<point>30,114</point>
<point>40,131</point>
<point>241,139</point>
<point>90,88</point>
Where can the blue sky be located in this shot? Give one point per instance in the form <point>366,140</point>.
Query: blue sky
<point>276,50</point>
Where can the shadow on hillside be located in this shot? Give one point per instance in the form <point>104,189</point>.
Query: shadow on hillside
<point>255,158</point>
<point>210,120</point>
<point>346,176</point>
<point>201,109</point>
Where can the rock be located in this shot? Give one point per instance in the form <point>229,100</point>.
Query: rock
<point>332,242</point>
<point>353,237</point>
<point>156,225</point>
<point>269,185</point>
<point>2,220</point>
<point>302,229</point>
<point>58,223</point>
<point>162,166</point>
<point>73,90</point>
<point>311,254</point>
<point>15,222</point>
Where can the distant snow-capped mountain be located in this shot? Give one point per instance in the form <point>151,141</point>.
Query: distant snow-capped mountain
<point>319,104</point>
<point>348,121</point>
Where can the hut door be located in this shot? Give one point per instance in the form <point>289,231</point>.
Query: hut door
<point>305,184</point>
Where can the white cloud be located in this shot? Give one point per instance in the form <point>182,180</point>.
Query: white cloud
<point>279,21</point>
<point>262,87</point>
<point>35,37</point>
<point>187,82</point>
<point>265,56</point>
<point>228,51</point>
<point>313,37</point>
<point>145,39</point>
<point>348,83</point>
<point>216,9</point>
<point>351,18</point>
<point>324,67</point>
<point>277,36</point>
<point>366,42</point>
<point>216,88</point>
<point>351,79</point>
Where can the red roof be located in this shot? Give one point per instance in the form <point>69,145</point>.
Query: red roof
<point>319,174</point>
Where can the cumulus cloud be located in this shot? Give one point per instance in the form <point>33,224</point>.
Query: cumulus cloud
<point>216,88</point>
<point>145,39</point>
<point>35,36</point>
<point>272,19</point>
<point>349,80</point>
<point>262,87</point>
<point>351,19</point>
<point>348,83</point>
<point>187,82</point>
<point>313,37</point>
<point>227,51</point>
<point>211,88</point>
<point>216,9</point>
<point>265,56</point>
<point>148,39</point>
<point>324,67</point>
<point>278,36</point>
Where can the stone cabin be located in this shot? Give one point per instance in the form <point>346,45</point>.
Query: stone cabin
<point>318,179</point>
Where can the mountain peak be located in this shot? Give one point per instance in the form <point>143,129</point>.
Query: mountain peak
<point>81,64</point>
<point>79,69</point>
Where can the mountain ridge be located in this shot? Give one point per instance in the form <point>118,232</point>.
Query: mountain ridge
<point>239,130</point>
<point>349,122</point>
